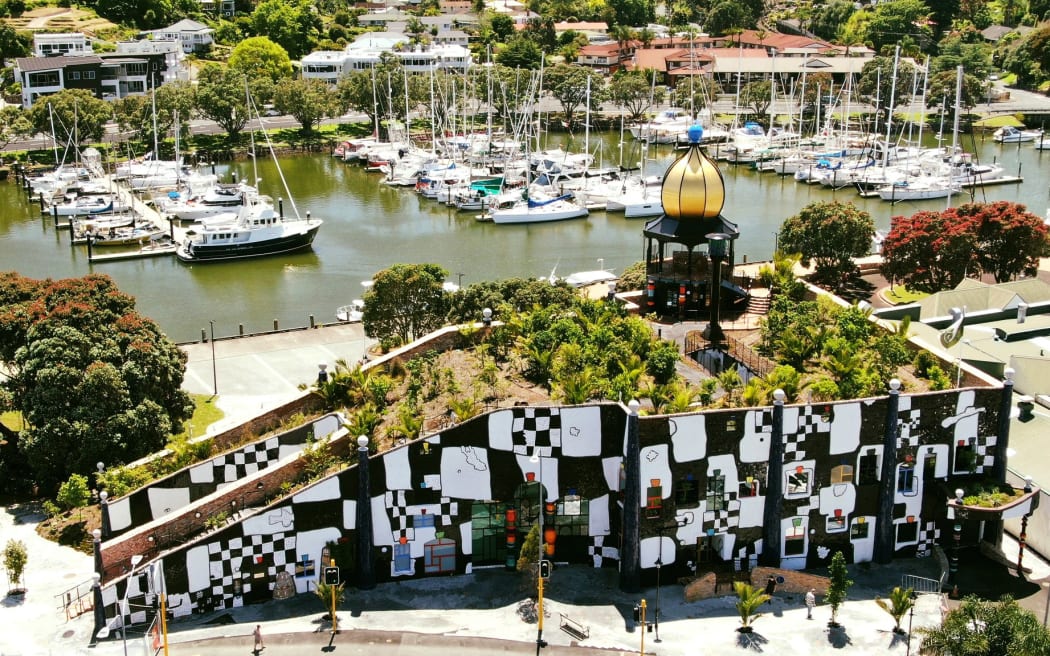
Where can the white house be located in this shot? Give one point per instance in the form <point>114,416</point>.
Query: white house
<point>50,44</point>
<point>192,35</point>
<point>365,52</point>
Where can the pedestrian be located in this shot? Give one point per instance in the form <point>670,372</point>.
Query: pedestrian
<point>811,601</point>
<point>259,646</point>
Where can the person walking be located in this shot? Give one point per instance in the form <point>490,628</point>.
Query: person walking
<point>259,646</point>
<point>811,601</point>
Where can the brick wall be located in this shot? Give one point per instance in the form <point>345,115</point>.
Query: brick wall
<point>704,586</point>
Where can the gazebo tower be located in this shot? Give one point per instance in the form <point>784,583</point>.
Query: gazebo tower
<point>691,244</point>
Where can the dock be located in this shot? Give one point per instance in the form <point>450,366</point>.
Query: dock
<point>144,252</point>
<point>1006,179</point>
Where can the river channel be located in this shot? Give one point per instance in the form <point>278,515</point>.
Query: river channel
<point>369,226</point>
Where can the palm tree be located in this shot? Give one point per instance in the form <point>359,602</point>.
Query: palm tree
<point>900,602</point>
<point>729,381</point>
<point>979,627</point>
<point>331,594</point>
<point>749,599</point>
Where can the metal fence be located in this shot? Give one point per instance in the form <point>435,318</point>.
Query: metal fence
<point>923,585</point>
<point>76,601</point>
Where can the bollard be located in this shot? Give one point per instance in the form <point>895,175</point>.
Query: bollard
<point>72,241</point>
<point>312,325</point>
<point>54,211</point>
<point>275,329</point>
<point>204,336</point>
<point>280,208</point>
<point>240,329</point>
<point>42,208</point>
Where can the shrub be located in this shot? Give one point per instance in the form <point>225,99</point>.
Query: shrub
<point>74,493</point>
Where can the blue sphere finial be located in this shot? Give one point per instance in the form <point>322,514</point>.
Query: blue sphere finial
<point>695,133</point>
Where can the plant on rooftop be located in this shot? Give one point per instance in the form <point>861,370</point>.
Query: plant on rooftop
<point>989,494</point>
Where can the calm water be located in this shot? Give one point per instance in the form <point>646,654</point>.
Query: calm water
<point>369,226</point>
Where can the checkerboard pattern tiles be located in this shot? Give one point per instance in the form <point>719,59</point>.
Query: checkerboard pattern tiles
<point>985,459</point>
<point>536,430</point>
<point>723,520</point>
<point>601,554</point>
<point>246,461</point>
<point>910,420</point>
<point>402,514</point>
<point>226,561</point>
<point>928,536</point>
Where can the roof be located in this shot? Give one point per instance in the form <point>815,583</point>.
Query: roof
<point>600,49</point>
<point>33,64</point>
<point>580,26</point>
<point>977,296</point>
<point>996,32</point>
<point>185,25</point>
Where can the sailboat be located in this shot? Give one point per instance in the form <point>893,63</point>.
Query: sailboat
<point>256,229</point>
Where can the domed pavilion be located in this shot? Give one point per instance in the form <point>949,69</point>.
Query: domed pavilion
<point>692,244</point>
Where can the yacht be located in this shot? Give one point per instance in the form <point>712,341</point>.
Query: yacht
<point>258,230</point>
<point>1010,134</point>
<point>538,211</point>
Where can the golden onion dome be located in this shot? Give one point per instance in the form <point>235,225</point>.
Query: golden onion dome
<point>693,188</point>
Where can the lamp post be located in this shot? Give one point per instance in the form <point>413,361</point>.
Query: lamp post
<point>716,248</point>
<point>214,375</point>
<point>123,609</point>
<point>911,616</point>
<point>540,643</point>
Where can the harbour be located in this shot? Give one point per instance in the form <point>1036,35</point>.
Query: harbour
<point>369,226</point>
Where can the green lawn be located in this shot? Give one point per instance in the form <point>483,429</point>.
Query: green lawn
<point>205,414</point>
<point>901,295</point>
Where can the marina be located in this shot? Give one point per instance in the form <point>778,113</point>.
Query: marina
<point>370,225</point>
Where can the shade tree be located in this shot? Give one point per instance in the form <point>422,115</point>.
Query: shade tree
<point>576,88</point>
<point>93,379</point>
<point>306,100</point>
<point>76,115</point>
<point>405,302</point>
<point>829,234</point>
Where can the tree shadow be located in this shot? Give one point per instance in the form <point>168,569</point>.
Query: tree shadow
<point>898,638</point>
<point>14,598</point>
<point>753,641</point>
<point>838,638</point>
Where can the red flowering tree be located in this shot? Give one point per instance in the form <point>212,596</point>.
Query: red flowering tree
<point>1011,239</point>
<point>93,379</point>
<point>929,251</point>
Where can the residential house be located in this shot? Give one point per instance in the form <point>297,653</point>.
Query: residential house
<point>604,58</point>
<point>194,36</point>
<point>225,8</point>
<point>43,76</point>
<point>50,44</point>
<point>365,52</point>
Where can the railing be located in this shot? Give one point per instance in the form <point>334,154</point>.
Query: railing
<point>749,357</point>
<point>922,585</point>
<point>76,601</point>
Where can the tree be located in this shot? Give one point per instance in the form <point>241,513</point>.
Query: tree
<point>406,301</point>
<point>260,57</point>
<point>756,97</point>
<point>633,91</point>
<point>725,16</point>
<point>748,600</point>
<point>829,18</point>
<point>15,559</point>
<point>379,93</point>
<point>568,84</point>
<point>967,50</point>
<point>632,12</point>
<point>94,380</point>
<point>74,493</point>
<point>135,114</point>
<point>900,602</point>
<point>1011,238</point>
<point>13,43</point>
<point>529,556</point>
<point>830,234</point>
<point>893,20</point>
<point>521,52</point>
<point>75,112</point>
<point>14,124</point>
<point>294,25</point>
<point>307,100</point>
<point>986,628</point>
<point>143,14</point>
<point>695,93</point>
<point>838,585</point>
<point>929,251</point>
<point>876,82</point>
<point>942,92</point>
<point>502,27</point>
<point>331,595</point>
<point>222,97</point>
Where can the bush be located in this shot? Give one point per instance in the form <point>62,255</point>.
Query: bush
<point>663,358</point>
<point>74,493</point>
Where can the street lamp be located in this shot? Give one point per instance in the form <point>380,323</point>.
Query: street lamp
<point>659,563</point>
<point>540,643</point>
<point>214,375</point>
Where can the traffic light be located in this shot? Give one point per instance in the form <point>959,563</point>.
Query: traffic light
<point>545,569</point>
<point>331,575</point>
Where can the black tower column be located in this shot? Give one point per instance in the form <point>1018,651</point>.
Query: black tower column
<point>884,537</point>
<point>773,508</point>
<point>630,552</point>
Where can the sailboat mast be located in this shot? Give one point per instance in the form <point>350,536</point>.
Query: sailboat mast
<point>889,114</point>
